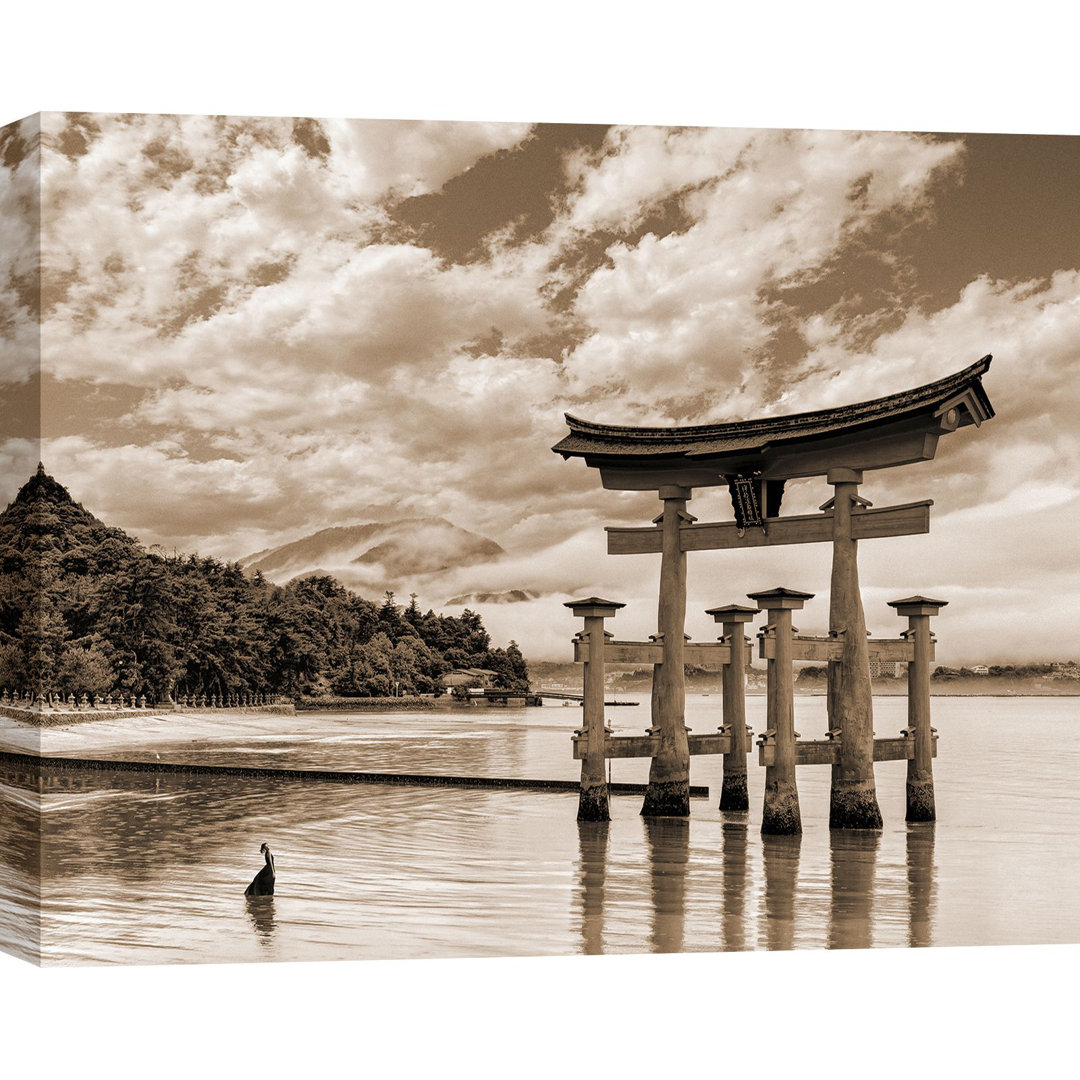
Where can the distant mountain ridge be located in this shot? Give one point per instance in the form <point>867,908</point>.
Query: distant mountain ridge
<point>372,553</point>
<point>508,596</point>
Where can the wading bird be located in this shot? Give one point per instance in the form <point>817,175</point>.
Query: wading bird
<point>263,882</point>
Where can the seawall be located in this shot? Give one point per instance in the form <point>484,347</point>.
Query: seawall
<point>44,718</point>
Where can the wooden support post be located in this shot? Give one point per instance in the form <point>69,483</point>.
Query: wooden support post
<point>593,800</point>
<point>853,803</point>
<point>733,793</point>
<point>781,811</point>
<point>920,774</point>
<point>668,793</point>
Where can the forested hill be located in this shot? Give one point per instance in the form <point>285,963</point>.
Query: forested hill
<point>85,609</point>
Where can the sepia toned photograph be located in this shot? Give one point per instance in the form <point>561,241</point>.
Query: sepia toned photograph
<point>449,539</point>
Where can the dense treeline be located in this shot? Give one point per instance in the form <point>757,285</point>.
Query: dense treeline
<point>1056,670</point>
<point>85,609</point>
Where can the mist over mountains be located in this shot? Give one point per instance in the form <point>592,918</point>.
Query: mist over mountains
<point>377,555</point>
<point>446,565</point>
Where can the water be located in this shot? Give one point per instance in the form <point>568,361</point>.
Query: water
<point>137,868</point>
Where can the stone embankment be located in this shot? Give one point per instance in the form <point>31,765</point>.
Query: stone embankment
<point>61,716</point>
<point>361,704</point>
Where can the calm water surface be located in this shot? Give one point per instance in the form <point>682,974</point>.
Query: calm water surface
<point>141,869</point>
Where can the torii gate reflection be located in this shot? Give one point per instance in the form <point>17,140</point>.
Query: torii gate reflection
<point>754,459</point>
<point>789,910</point>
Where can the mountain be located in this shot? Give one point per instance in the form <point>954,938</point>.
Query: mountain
<point>509,596</point>
<point>377,554</point>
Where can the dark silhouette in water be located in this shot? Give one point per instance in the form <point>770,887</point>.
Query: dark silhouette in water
<point>263,882</point>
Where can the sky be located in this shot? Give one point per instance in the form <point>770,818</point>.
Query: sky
<point>252,329</point>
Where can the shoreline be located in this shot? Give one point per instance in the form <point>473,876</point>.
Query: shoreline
<point>35,720</point>
<point>50,718</point>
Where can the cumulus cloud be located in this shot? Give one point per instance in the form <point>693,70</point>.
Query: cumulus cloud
<point>679,323</point>
<point>20,255</point>
<point>283,354</point>
<point>1033,330</point>
<point>155,225</point>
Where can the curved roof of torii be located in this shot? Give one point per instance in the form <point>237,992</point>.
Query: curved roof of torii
<point>886,431</point>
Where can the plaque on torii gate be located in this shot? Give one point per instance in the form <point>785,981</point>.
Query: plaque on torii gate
<point>754,459</point>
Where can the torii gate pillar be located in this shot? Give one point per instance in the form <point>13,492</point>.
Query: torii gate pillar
<point>853,803</point>
<point>733,793</point>
<point>780,814</point>
<point>668,793</point>
<point>593,797</point>
<point>920,774</point>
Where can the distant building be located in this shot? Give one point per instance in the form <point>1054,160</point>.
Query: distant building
<point>980,669</point>
<point>884,669</point>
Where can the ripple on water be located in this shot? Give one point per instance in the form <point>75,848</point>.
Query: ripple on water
<point>143,868</point>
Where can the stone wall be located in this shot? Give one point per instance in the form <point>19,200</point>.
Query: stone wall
<point>59,717</point>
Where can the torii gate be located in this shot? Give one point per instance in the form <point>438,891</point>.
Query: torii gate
<point>754,458</point>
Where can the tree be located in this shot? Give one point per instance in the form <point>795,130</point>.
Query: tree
<point>42,632</point>
<point>13,673</point>
<point>85,670</point>
<point>85,609</point>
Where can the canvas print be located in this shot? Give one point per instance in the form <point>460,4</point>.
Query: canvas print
<point>461,539</point>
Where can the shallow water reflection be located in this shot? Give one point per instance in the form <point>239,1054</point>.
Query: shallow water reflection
<point>919,852</point>
<point>669,860</point>
<point>128,867</point>
<point>764,890</point>
<point>780,855</point>
<point>853,860</point>
<point>735,868</point>
<point>592,873</point>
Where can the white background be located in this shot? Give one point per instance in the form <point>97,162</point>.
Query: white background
<point>917,66</point>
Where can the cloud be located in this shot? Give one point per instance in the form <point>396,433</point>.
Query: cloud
<point>20,254</point>
<point>291,356</point>
<point>679,323</point>
<point>18,460</point>
<point>162,225</point>
<point>228,246</point>
<point>1033,330</point>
